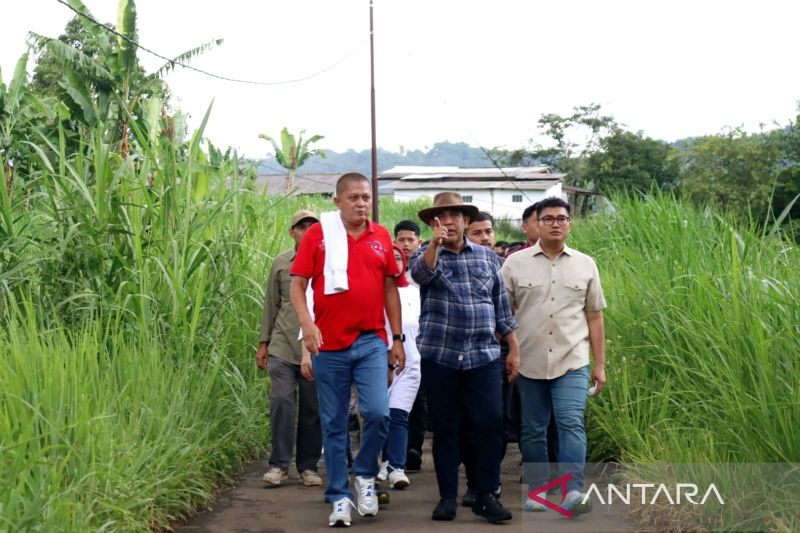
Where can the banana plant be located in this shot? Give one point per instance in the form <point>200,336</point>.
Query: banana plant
<point>20,113</point>
<point>112,85</point>
<point>293,153</point>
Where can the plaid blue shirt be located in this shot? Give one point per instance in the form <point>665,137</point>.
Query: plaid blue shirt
<point>464,302</point>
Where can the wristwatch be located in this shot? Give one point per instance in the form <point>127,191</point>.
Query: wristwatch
<point>401,337</point>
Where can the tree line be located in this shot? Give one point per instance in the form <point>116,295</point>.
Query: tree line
<point>754,174</point>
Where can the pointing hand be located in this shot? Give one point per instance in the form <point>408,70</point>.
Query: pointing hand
<point>440,232</point>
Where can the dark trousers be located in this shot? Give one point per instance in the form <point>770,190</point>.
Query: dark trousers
<point>468,453</point>
<point>418,419</point>
<point>472,397</point>
<point>285,381</point>
<point>511,410</point>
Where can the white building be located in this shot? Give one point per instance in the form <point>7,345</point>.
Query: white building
<point>503,192</point>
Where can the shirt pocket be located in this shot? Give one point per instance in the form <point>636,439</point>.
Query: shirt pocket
<point>575,289</point>
<point>482,282</point>
<point>530,292</point>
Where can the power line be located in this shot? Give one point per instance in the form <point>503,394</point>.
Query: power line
<point>174,62</point>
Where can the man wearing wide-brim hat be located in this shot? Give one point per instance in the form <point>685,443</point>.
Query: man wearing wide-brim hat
<point>279,352</point>
<point>463,304</point>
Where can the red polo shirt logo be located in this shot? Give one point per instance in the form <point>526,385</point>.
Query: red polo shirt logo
<point>377,248</point>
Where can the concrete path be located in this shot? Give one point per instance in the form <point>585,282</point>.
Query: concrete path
<point>250,507</point>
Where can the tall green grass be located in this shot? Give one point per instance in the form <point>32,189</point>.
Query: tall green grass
<point>703,329</point>
<point>131,297</point>
<point>107,432</point>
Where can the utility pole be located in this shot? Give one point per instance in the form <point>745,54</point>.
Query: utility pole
<point>375,198</point>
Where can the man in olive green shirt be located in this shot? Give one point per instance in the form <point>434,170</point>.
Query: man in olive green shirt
<point>279,352</point>
<point>559,301</point>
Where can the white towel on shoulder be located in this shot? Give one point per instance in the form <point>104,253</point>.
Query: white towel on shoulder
<point>335,237</point>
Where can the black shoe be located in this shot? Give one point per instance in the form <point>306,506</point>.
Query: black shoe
<point>445,509</point>
<point>469,498</point>
<point>489,508</point>
<point>413,461</point>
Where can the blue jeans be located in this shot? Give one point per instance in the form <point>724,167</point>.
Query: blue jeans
<point>363,363</point>
<point>566,397</point>
<point>394,450</point>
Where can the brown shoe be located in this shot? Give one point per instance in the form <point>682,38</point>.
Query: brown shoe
<point>310,478</point>
<point>275,475</point>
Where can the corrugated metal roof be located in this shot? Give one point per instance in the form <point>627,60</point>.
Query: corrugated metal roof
<point>423,173</point>
<point>527,185</point>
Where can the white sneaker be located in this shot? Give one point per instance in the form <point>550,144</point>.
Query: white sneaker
<point>398,479</point>
<point>367,497</point>
<point>340,516</point>
<point>384,471</point>
<point>577,502</point>
<point>275,475</point>
<point>534,506</point>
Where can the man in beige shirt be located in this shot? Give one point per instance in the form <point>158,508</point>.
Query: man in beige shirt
<point>559,307</point>
<point>279,352</point>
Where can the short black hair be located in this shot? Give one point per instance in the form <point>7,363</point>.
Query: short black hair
<point>406,225</point>
<point>344,179</point>
<point>550,202</point>
<point>500,244</point>
<point>483,216</point>
<point>528,212</point>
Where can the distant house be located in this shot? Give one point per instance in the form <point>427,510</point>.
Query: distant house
<point>503,192</point>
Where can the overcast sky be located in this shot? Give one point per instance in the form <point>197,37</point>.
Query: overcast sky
<point>481,72</point>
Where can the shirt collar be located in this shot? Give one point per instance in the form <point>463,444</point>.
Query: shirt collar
<point>536,249</point>
<point>468,245</point>
<point>471,245</point>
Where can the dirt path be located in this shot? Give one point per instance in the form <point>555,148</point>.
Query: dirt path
<point>252,508</point>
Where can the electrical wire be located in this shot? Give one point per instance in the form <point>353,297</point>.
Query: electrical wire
<point>174,62</point>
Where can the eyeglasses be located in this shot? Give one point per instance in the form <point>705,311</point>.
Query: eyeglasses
<point>548,221</point>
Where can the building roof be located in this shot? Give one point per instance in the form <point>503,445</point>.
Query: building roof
<point>578,191</point>
<point>458,173</point>
<point>526,185</point>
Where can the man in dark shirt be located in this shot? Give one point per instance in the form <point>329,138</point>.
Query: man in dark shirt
<point>278,339</point>
<point>464,303</point>
<point>481,231</point>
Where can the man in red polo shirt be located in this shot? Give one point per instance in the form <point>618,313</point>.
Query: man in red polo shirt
<point>348,341</point>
